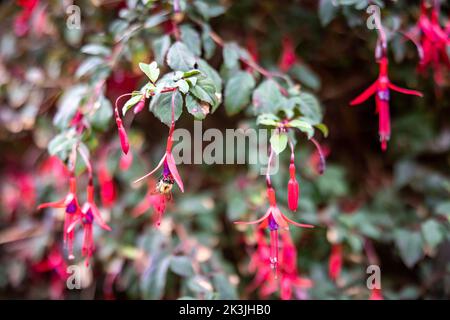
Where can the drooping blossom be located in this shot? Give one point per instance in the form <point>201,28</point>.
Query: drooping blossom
<point>288,280</point>
<point>317,159</point>
<point>335,261</point>
<point>274,220</point>
<point>154,200</point>
<point>89,214</point>
<point>72,213</point>
<point>168,161</point>
<point>22,20</point>
<point>18,193</point>
<point>380,88</point>
<point>288,55</point>
<point>432,40</point>
<point>107,187</point>
<point>293,187</point>
<point>55,264</point>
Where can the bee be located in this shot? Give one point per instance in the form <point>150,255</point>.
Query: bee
<point>165,185</point>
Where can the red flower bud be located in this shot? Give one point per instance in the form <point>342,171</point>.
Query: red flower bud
<point>293,189</point>
<point>140,105</point>
<point>123,136</point>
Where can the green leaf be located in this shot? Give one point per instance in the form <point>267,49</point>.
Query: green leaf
<point>304,126</point>
<point>194,107</point>
<point>231,54</point>
<point>151,70</point>
<point>61,145</point>
<point>68,105</point>
<point>153,280</point>
<point>209,46</point>
<point>327,11</point>
<point>96,50</point>
<point>208,10</point>
<point>211,73</point>
<point>323,128</point>
<point>238,92</point>
<point>267,119</point>
<point>182,266</point>
<point>409,244</point>
<point>180,58</point>
<point>432,233</point>
<point>89,66</point>
<point>182,85</point>
<point>131,103</point>
<point>205,90</point>
<point>306,76</point>
<point>161,106</point>
<point>278,141</point>
<point>160,47</point>
<point>267,98</point>
<point>310,107</point>
<point>191,38</point>
<point>226,290</point>
<point>103,113</point>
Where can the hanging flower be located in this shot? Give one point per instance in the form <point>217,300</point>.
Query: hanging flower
<point>293,188</point>
<point>381,90</point>
<point>89,213</point>
<point>107,187</point>
<point>288,55</point>
<point>274,220</point>
<point>155,200</point>
<point>335,262</point>
<point>70,203</point>
<point>375,294</point>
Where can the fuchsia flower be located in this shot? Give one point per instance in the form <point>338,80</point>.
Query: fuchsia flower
<point>335,262</point>
<point>153,200</point>
<point>89,213</point>
<point>376,294</point>
<point>433,41</point>
<point>288,55</point>
<point>265,280</point>
<point>54,263</point>
<point>381,90</point>
<point>274,220</point>
<point>107,187</point>
<point>70,203</point>
<point>22,20</point>
<point>293,188</point>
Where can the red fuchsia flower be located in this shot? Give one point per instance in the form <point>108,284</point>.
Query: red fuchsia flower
<point>107,187</point>
<point>317,159</point>
<point>335,262</point>
<point>154,200</point>
<point>290,281</point>
<point>89,214</point>
<point>125,161</point>
<point>18,193</point>
<point>293,188</point>
<point>54,263</point>
<point>265,281</point>
<point>381,89</point>
<point>288,55</point>
<point>170,171</point>
<point>433,41</point>
<point>70,204</point>
<point>22,20</point>
<point>376,294</point>
<point>274,220</point>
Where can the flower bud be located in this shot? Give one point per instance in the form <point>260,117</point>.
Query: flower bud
<point>293,189</point>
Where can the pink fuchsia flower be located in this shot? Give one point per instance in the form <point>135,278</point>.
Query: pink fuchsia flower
<point>290,280</point>
<point>22,20</point>
<point>274,220</point>
<point>170,171</point>
<point>156,201</point>
<point>55,264</point>
<point>70,204</point>
<point>107,187</point>
<point>335,262</point>
<point>433,43</point>
<point>381,89</point>
<point>288,55</point>
<point>376,294</point>
<point>293,188</point>
<point>89,214</point>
